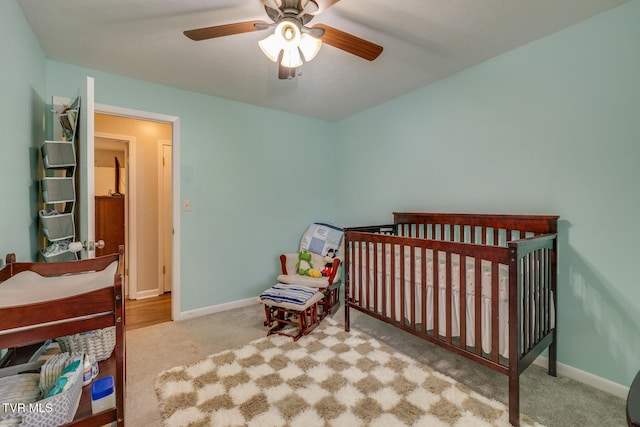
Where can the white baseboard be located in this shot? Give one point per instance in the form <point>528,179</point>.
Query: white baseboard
<point>585,377</point>
<point>216,308</point>
<point>147,294</point>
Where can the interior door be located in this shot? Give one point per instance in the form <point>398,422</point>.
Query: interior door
<point>165,220</point>
<point>86,190</point>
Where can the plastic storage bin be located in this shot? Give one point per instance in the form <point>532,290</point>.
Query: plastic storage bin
<point>59,257</point>
<point>58,154</point>
<point>58,190</point>
<point>58,227</point>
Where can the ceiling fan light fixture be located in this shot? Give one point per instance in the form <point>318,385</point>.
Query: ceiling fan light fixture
<point>288,37</point>
<point>309,46</point>
<point>291,58</point>
<point>288,33</point>
<point>270,47</point>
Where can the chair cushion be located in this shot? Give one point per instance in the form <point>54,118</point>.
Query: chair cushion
<point>297,279</point>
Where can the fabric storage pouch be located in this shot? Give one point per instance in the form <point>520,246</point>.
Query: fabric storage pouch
<point>52,411</point>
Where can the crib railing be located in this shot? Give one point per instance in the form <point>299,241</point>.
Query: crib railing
<point>482,229</point>
<point>533,276</point>
<point>456,294</point>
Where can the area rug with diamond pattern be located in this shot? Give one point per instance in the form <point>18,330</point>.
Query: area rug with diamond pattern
<point>328,378</point>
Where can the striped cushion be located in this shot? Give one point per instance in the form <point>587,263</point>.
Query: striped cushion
<point>298,296</point>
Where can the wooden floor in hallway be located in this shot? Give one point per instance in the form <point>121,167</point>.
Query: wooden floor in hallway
<point>147,311</point>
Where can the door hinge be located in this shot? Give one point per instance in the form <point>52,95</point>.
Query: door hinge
<point>164,270</point>
<point>126,271</point>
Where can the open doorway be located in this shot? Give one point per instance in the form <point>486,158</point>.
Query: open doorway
<point>145,189</point>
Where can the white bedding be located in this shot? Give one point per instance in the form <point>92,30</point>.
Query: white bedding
<point>28,287</point>
<point>486,315</point>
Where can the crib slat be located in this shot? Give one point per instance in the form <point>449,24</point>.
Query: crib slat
<point>527,306</point>
<point>436,308</point>
<point>412,283</point>
<point>532,297</point>
<point>365,274</point>
<point>495,313</point>
<point>463,302</point>
<point>536,296</point>
<point>523,303</point>
<point>360,272</point>
<point>383,279</point>
<point>547,292</point>
<point>477,299</point>
<point>392,282</point>
<point>403,296</point>
<point>423,284</point>
<point>376,300</point>
<point>448,291</point>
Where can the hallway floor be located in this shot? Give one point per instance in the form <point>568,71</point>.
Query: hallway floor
<point>148,311</point>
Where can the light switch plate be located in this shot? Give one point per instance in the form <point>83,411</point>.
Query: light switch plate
<point>186,205</point>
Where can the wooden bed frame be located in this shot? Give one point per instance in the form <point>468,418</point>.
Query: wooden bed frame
<point>526,244</point>
<point>83,312</point>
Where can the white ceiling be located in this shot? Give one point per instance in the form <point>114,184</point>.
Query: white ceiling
<point>423,40</point>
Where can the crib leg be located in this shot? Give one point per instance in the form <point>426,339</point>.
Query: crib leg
<point>514,398</point>
<point>553,347</point>
<point>347,326</point>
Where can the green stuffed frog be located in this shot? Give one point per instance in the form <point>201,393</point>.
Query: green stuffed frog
<point>304,263</point>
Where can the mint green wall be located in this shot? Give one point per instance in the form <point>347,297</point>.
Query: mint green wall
<point>552,127</point>
<point>255,177</point>
<point>22,85</point>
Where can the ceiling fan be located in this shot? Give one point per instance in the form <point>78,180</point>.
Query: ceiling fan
<point>292,37</point>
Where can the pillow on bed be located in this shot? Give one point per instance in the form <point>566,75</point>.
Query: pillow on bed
<point>321,236</point>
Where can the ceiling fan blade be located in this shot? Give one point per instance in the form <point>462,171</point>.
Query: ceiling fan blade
<point>310,7</point>
<point>225,30</point>
<point>273,4</point>
<point>323,5</point>
<point>349,43</point>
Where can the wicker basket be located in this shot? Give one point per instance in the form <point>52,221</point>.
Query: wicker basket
<point>99,342</point>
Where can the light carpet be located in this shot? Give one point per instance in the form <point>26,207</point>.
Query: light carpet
<point>328,378</point>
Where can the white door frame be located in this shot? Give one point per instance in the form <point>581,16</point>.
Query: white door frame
<point>174,121</point>
<point>161,211</point>
<point>131,284</point>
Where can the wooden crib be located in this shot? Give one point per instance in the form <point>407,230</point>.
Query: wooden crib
<point>482,286</point>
